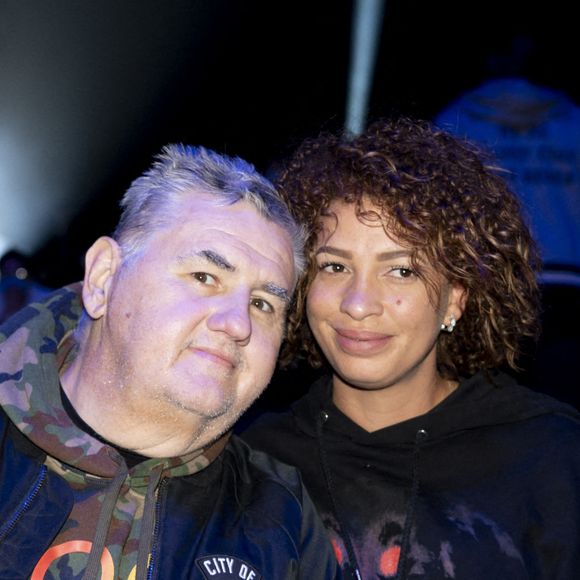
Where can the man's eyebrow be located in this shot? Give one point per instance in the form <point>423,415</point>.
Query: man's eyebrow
<point>382,257</point>
<point>222,263</point>
<point>211,256</point>
<point>277,291</point>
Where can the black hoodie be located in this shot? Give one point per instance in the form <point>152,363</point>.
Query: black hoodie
<point>485,486</point>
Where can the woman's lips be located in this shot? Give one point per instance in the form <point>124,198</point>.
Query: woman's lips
<point>361,342</point>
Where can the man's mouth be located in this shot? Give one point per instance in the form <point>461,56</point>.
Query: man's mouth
<point>214,355</point>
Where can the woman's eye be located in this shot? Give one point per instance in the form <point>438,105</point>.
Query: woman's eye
<point>204,278</point>
<point>261,305</point>
<point>402,272</point>
<point>332,267</point>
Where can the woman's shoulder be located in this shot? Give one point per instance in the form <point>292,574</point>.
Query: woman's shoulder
<point>534,419</point>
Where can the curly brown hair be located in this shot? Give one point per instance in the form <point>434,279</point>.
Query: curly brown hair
<point>444,199</point>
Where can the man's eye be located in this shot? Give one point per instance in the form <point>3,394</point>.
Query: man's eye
<point>261,304</point>
<point>204,278</point>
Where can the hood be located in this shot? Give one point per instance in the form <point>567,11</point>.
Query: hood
<point>482,400</point>
<point>31,346</point>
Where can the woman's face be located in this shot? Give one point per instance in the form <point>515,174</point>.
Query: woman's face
<point>367,308</point>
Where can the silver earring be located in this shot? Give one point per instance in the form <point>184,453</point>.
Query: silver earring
<point>449,327</point>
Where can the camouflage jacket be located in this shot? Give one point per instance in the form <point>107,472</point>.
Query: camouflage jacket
<point>228,513</point>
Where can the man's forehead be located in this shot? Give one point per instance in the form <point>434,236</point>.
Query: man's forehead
<point>207,226</point>
<point>227,255</point>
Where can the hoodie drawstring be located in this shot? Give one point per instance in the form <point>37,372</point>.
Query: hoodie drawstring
<point>420,437</point>
<point>402,571</point>
<point>92,570</point>
<point>322,418</point>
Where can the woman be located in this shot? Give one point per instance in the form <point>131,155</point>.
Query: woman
<point>424,459</point>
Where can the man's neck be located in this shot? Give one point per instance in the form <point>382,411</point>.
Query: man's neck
<point>100,402</point>
<point>130,457</point>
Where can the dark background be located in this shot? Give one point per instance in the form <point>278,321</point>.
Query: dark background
<point>91,90</point>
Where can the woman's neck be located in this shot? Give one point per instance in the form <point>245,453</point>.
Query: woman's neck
<point>379,408</point>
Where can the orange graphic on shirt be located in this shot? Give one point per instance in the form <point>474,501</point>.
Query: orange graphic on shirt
<point>337,551</point>
<point>52,554</point>
<point>390,561</point>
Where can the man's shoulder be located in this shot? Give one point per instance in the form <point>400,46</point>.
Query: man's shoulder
<point>63,306</point>
<point>276,433</point>
<point>264,423</point>
<point>265,488</point>
<point>257,466</point>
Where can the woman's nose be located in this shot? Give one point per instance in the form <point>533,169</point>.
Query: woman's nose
<point>361,298</point>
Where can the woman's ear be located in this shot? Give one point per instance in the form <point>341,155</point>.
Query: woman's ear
<point>456,302</point>
<point>102,261</point>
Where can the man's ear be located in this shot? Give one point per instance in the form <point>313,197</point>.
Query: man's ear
<point>101,263</point>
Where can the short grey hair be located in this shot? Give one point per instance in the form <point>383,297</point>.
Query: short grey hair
<point>181,171</point>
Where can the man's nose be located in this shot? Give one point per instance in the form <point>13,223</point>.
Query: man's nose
<point>231,315</point>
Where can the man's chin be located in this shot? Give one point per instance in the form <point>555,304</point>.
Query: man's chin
<point>210,408</point>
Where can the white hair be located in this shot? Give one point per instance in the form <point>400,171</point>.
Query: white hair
<point>153,200</point>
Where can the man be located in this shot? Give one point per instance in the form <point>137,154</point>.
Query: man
<point>116,460</point>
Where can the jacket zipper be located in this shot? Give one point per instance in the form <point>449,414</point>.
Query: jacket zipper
<point>11,523</point>
<point>153,560</point>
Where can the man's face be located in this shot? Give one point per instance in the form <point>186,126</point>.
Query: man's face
<point>194,323</point>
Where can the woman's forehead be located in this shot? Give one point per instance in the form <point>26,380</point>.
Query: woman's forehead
<point>350,217</point>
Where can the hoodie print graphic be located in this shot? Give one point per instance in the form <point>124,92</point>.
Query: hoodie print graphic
<point>378,544</point>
